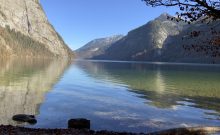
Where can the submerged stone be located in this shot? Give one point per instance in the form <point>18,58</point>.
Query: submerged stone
<point>79,123</point>
<point>25,118</point>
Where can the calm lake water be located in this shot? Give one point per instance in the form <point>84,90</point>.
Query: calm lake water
<point>118,96</point>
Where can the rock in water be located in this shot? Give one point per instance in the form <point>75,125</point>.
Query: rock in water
<point>25,118</point>
<point>79,123</point>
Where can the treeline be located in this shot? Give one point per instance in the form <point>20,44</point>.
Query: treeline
<point>14,43</point>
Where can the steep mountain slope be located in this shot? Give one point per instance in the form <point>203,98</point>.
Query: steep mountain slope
<point>145,42</point>
<point>27,19</point>
<point>195,44</point>
<point>96,47</point>
<point>168,41</point>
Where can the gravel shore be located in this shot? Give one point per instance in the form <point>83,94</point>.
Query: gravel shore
<point>11,130</point>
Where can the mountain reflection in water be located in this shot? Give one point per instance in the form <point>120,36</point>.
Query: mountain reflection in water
<point>164,85</point>
<point>24,83</point>
<point>118,96</point>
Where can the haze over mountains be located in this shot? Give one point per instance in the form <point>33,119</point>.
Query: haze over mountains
<point>161,39</point>
<point>25,31</point>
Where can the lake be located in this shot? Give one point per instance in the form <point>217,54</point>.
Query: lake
<point>118,96</point>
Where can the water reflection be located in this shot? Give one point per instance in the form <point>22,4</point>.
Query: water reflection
<point>23,84</point>
<point>164,86</point>
<point>132,97</point>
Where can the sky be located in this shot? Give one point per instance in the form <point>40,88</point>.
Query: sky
<point>80,21</point>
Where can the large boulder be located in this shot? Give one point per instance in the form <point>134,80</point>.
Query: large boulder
<point>79,123</point>
<point>25,118</point>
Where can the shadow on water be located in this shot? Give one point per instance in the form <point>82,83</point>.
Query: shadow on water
<point>24,83</point>
<point>165,86</point>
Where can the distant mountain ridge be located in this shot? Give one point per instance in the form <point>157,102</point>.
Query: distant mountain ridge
<point>144,42</point>
<point>96,47</point>
<point>161,40</point>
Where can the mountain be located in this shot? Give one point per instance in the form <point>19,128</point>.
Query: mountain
<point>196,44</point>
<point>96,47</point>
<point>145,42</point>
<point>167,40</point>
<point>26,31</point>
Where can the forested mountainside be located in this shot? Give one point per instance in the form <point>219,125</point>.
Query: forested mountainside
<point>167,40</point>
<point>26,31</point>
<point>145,41</point>
<point>199,43</point>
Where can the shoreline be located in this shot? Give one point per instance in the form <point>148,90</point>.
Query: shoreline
<point>14,130</point>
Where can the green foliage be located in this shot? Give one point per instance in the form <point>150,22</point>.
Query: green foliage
<point>18,44</point>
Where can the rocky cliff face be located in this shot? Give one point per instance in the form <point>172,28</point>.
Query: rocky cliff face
<point>96,47</point>
<point>168,41</point>
<point>196,44</point>
<point>28,18</point>
<point>144,42</point>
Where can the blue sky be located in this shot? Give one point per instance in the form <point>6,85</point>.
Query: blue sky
<point>80,21</point>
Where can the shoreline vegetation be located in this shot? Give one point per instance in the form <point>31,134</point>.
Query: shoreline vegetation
<point>16,44</point>
<point>13,130</point>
